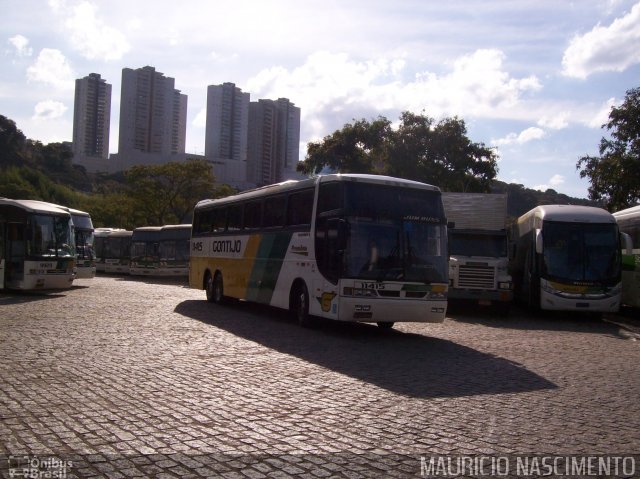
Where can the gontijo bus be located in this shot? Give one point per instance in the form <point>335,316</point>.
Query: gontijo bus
<point>629,222</point>
<point>347,247</point>
<point>567,258</point>
<point>39,245</point>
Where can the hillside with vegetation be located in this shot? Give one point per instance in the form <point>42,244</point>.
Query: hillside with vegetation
<point>149,195</point>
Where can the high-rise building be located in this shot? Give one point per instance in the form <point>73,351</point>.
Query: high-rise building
<point>274,141</point>
<point>153,115</point>
<point>91,118</point>
<point>226,132</point>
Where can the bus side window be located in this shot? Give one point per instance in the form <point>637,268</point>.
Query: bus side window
<point>274,211</point>
<point>330,197</point>
<point>253,215</point>
<point>300,208</point>
<point>234,222</point>
<point>202,221</point>
<point>219,220</point>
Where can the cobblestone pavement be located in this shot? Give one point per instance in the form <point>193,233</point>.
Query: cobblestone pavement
<point>131,378</point>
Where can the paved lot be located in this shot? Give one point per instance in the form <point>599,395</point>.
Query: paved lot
<point>131,378</point>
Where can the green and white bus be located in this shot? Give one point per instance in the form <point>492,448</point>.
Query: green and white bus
<point>175,243</point>
<point>145,250</point>
<point>85,253</point>
<point>629,223</point>
<point>39,245</point>
<point>347,247</point>
<point>567,258</point>
<point>117,251</point>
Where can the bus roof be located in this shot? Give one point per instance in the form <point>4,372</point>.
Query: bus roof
<point>35,206</point>
<point>628,213</point>
<point>177,227</point>
<point>119,233</point>
<point>570,214</point>
<point>308,183</point>
<point>78,212</point>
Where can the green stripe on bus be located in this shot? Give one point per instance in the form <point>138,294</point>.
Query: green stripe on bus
<point>266,268</point>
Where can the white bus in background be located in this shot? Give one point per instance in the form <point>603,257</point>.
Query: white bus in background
<point>567,258</point>
<point>117,251</point>
<point>39,245</point>
<point>145,250</point>
<point>99,240</point>
<point>175,243</point>
<point>84,238</point>
<point>347,247</point>
<point>629,223</point>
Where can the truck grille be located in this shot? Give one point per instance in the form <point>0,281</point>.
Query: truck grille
<point>476,277</point>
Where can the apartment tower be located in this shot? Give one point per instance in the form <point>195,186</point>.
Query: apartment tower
<point>153,114</point>
<point>226,132</point>
<point>274,141</point>
<point>91,121</point>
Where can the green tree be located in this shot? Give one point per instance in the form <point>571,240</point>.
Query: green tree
<point>357,148</point>
<point>615,174</point>
<point>12,143</point>
<point>165,194</point>
<point>419,149</point>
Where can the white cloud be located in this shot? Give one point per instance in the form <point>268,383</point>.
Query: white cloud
<point>331,84</point>
<point>555,181</point>
<point>200,120</point>
<point>21,44</point>
<point>48,110</point>
<point>602,116</point>
<point>558,122</point>
<point>91,37</point>
<point>51,67</point>
<point>612,48</point>
<point>525,136</point>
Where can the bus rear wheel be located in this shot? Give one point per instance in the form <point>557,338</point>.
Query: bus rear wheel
<point>218,289</point>
<point>214,287</point>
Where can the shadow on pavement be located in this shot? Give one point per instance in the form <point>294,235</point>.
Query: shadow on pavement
<point>408,364</point>
<point>18,297</point>
<point>526,320</point>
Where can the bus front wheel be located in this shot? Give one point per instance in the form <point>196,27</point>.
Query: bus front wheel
<point>385,324</point>
<point>300,304</point>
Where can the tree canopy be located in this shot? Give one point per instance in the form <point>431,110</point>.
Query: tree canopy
<point>615,174</point>
<point>418,149</point>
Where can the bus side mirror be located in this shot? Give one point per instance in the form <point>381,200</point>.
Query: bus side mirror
<point>626,243</point>
<point>538,241</point>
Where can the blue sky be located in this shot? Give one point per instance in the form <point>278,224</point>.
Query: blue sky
<point>536,80</point>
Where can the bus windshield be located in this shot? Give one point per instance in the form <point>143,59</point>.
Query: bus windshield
<point>51,236</point>
<point>395,234</point>
<point>84,244</point>
<point>581,252</point>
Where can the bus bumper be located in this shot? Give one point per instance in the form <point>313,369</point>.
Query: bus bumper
<point>406,310</point>
<point>554,302</point>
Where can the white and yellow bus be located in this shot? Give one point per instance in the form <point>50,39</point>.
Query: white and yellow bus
<point>347,247</point>
<point>567,258</point>
<point>629,223</point>
<point>39,245</point>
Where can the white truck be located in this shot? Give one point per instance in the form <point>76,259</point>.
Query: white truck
<point>478,249</point>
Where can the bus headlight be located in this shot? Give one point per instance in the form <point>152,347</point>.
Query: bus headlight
<point>504,285</point>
